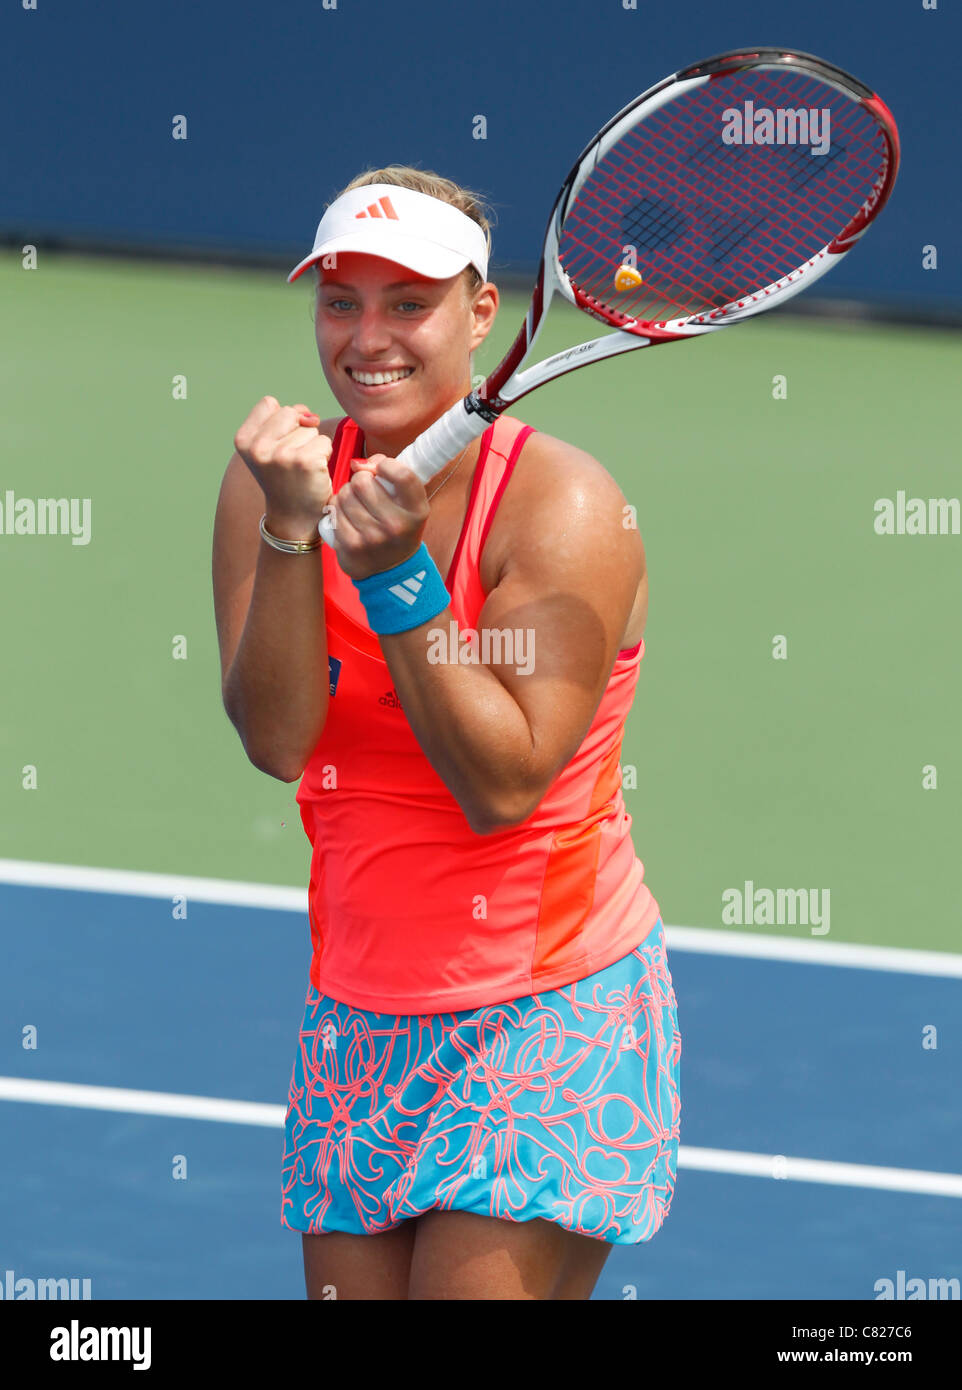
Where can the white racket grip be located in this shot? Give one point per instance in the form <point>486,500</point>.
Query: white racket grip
<point>443,440</point>
<point>428,454</point>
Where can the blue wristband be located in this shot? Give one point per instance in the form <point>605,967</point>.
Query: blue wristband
<point>404,596</point>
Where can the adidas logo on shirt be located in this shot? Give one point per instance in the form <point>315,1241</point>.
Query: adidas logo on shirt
<point>409,590</point>
<point>391,700</point>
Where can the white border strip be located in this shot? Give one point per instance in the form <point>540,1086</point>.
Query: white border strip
<point>240,1112</point>
<point>817,1170</point>
<point>235,1112</point>
<point>27,874</point>
<point>721,941</point>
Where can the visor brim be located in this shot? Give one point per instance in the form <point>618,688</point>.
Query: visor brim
<point>423,257</point>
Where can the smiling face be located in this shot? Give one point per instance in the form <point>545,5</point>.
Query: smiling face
<point>395,346</point>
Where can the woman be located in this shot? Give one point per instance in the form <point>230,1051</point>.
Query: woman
<point>485,1092</point>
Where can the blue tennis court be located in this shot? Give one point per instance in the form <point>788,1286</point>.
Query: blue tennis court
<point>152,1194</point>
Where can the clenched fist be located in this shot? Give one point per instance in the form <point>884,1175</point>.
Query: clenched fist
<point>375,529</point>
<point>289,461</point>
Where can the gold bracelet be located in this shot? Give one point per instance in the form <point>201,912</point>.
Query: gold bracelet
<point>289,547</point>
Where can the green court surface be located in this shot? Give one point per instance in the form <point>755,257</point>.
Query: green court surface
<point>757,515</point>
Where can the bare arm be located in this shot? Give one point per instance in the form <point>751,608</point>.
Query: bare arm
<point>269,610</point>
<point>499,737</point>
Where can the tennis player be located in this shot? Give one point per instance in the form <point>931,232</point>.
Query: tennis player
<point>485,1091</point>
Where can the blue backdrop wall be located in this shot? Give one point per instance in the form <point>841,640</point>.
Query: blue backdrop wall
<point>285,102</point>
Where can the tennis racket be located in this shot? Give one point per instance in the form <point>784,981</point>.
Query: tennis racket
<point>717,194</point>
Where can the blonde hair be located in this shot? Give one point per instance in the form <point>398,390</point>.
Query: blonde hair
<point>435,186</point>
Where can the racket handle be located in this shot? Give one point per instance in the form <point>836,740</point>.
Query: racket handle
<point>325,527</point>
<point>439,443</point>
<point>443,440</point>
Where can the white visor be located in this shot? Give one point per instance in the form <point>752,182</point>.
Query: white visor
<point>415,230</point>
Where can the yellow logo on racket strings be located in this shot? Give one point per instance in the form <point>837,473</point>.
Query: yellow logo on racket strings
<point>627,278</point>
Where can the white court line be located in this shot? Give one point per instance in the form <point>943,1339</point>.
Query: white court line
<point>722,941</point>
<point>235,1112</point>
<point>715,941</point>
<point>135,883</point>
<point>241,1112</point>
<point>818,1170</point>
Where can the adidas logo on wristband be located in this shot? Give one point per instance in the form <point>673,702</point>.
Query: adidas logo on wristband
<point>404,596</point>
<point>409,590</point>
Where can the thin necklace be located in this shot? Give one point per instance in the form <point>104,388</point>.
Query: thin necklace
<point>451,474</point>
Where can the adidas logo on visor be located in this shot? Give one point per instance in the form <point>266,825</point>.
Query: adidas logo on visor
<point>409,590</point>
<point>382,208</point>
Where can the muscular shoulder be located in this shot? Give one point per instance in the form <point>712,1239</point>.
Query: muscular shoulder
<point>556,490</point>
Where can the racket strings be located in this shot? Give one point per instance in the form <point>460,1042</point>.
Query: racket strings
<point>711,222</point>
<point>690,278</point>
<point>725,229</point>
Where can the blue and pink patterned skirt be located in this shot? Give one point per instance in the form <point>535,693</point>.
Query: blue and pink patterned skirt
<point>563,1105</point>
